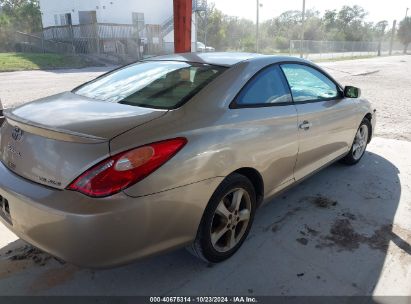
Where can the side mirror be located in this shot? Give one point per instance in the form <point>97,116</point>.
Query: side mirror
<point>352,92</point>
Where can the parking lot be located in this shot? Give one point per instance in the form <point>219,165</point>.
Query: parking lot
<point>344,231</point>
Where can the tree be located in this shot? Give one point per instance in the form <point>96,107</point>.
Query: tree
<point>226,32</point>
<point>17,15</point>
<point>381,26</point>
<point>351,14</point>
<point>330,20</point>
<point>285,25</point>
<point>233,33</point>
<point>13,4</point>
<point>347,24</point>
<point>404,32</point>
<point>20,15</point>
<point>314,27</point>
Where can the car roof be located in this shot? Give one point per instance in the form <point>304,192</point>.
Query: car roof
<point>221,58</point>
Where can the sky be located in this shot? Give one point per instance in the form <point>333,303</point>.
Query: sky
<point>378,9</point>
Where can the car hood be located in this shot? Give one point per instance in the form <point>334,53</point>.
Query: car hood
<point>69,113</point>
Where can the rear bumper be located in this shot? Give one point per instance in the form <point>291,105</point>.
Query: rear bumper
<point>102,232</point>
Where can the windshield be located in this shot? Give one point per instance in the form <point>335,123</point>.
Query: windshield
<point>154,84</point>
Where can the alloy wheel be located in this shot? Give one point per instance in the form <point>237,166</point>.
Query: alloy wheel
<point>231,219</point>
<point>360,142</point>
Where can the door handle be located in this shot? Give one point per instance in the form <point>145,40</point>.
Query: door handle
<point>305,125</point>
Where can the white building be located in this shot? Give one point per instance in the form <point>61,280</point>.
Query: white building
<point>137,12</point>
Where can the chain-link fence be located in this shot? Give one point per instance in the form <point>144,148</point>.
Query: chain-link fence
<point>99,39</point>
<point>32,43</point>
<point>317,50</point>
<point>121,42</point>
<point>126,43</point>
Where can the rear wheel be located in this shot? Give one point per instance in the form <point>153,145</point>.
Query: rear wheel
<point>226,220</point>
<point>360,143</point>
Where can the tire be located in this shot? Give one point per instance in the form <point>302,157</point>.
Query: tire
<point>354,156</point>
<point>214,223</point>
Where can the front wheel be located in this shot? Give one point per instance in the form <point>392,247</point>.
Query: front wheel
<point>360,143</point>
<point>226,220</point>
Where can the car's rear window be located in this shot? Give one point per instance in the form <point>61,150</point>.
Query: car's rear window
<point>154,84</point>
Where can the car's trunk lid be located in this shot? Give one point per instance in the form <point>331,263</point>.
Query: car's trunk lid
<point>53,140</point>
<point>74,114</point>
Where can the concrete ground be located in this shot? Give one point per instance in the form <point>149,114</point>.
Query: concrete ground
<point>343,231</point>
<point>386,82</point>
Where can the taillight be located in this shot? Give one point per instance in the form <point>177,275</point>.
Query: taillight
<point>125,169</point>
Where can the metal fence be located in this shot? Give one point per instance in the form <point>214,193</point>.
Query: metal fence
<point>125,43</point>
<point>122,40</point>
<point>317,50</point>
<point>101,30</point>
<point>32,43</point>
<point>23,42</point>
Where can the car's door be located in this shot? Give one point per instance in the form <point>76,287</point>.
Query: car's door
<point>265,106</point>
<point>325,119</point>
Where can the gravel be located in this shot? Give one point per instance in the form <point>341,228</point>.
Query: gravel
<point>386,82</point>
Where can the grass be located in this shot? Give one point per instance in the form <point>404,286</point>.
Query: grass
<point>38,61</point>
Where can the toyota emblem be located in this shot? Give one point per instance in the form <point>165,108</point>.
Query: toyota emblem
<point>17,134</point>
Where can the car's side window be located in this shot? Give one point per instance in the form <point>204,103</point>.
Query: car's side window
<point>309,84</point>
<point>265,88</point>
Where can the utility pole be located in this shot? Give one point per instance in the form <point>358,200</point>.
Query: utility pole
<point>406,12</point>
<point>257,28</point>
<point>381,38</point>
<point>394,24</point>
<point>302,31</point>
<point>196,30</point>
<point>206,23</point>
